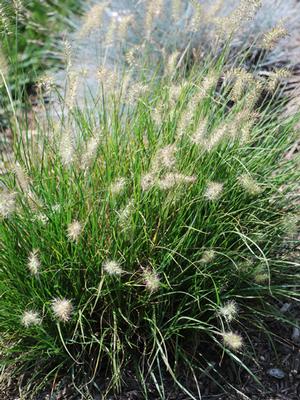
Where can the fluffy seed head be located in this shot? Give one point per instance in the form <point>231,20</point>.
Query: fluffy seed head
<point>244,12</point>
<point>171,63</point>
<point>112,267</point>
<point>148,181</point>
<point>165,158</point>
<point>151,279</point>
<point>276,77</point>
<point>252,96</point>
<point>34,263</point>
<point>229,311</point>
<point>233,340</point>
<point>62,309</point>
<point>7,203</point>
<point>272,37</point>
<point>67,48</point>
<point>56,208</point>
<point>118,186</point>
<point>261,277</point>
<point>197,16</point>
<point>249,184</point>
<point>154,9</point>
<point>35,204</point>
<point>74,230</point>
<point>90,152</point>
<point>185,120</point>
<point>108,79</point>
<point>93,19</point>
<point>136,91</point>
<point>240,128</point>
<point>125,215</point>
<point>104,75</point>
<point>73,82</point>
<point>18,6</point>
<point>242,80</point>
<point>245,133</point>
<point>216,137</point>
<point>174,179</point>
<point>41,217</point>
<point>45,84</point>
<point>130,56</point>
<point>213,191</point>
<point>208,83</point>
<point>157,114</point>
<point>5,22</point>
<point>176,9</point>
<point>124,24</point>
<point>22,178</point>
<point>290,224</point>
<point>198,136</point>
<point>112,30</point>
<point>67,148</point>
<point>208,256</point>
<point>30,318</point>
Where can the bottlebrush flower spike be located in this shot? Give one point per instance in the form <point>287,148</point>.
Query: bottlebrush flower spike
<point>112,267</point>
<point>208,256</point>
<point>173,179</point>
<point>229,310</point>
<point>62,309</point>
<point>118,186</point>
<point>213,191</point>
<point>233,340</point>
<point>30,318</point>
<point>34,263</point>
<point>90,152</point>
<point>148,181</point>
<point>272,37</point>
<point>151,279</point>
<point>249,184</point>
<point>74,230</point>
<point>7,203</point>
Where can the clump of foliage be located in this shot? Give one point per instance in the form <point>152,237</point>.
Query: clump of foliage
<point>149,229</point>
<point>146,229</point>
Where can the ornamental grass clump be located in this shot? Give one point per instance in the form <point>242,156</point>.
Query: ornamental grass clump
<point>129,245</point>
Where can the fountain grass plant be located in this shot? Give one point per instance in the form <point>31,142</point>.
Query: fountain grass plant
<point>148,231</point>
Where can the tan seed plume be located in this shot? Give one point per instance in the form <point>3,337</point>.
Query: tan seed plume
<point>62,309</point>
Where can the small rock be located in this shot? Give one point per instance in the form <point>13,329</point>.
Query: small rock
<point>296,334</point>
<point>285,307</point>
<point>276,373</point>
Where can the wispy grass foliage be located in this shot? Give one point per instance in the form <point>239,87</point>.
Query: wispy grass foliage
<point>148,230</point>
<point>142,233</point>
<point>30,39</point>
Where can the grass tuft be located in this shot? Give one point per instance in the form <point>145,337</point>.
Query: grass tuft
<point>125,241</point>
<point>150,229</point>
